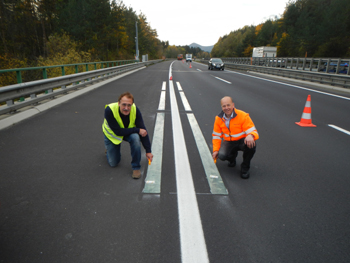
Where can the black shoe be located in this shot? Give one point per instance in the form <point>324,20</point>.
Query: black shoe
<point>244,173</point>
<point>232,163</point>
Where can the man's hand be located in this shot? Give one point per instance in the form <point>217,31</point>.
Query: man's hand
<point>149,156</point>
<point>215,155</point>
<point>143,132</point>
<point>249,141</point>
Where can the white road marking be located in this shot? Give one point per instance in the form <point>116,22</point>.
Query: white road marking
<point>185,102</point>
<point>193,247</point>
<point>223,80</point>
<point>212,173</point>
<point>162,101</point>
<point>339,129</point>
<point>178,86</point>
<point>154,172</point>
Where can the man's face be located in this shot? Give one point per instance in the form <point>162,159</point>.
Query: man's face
<point>227,106</point>
<point>125,105</point>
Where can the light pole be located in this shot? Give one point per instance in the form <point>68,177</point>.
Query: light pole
<point>137,43</point>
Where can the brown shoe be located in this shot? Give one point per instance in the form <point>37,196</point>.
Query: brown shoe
<point>136,174</point>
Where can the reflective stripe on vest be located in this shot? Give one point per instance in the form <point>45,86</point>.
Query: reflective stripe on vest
<point>218,135</point>
<point>115,110</point>
<point>233,135</point>
<point>240,134</point>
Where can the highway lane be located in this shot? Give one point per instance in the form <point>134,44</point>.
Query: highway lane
<point>63,203</point>
<point>294,207</point>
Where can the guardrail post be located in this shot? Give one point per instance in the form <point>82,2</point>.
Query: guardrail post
<point>63,72</point>
<point>95,66</point>
<point>19,80</point>
<point>19,76</point>
<point>311,63</point>
<point>76,69</point>
<point>304,63</point>
<point>328,62</point>
<point>297,64</point>
<point>44,73</point>
<point>319,65</point>
<point>87,67</point>
<point>45,77</point>
<point>338,66</point>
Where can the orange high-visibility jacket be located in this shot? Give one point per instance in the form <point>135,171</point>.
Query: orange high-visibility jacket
<point>240,126</point>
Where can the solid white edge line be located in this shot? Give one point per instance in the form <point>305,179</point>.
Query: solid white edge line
<point>193,247</point>
<point>339,129</point>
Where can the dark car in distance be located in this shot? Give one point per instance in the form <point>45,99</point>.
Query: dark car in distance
<point>216,63</point>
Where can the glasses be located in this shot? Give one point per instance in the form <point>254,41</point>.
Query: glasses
<point>126,105</point>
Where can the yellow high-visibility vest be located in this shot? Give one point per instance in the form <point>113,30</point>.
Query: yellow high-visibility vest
<point>115,110</point>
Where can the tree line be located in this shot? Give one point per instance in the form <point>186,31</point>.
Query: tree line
<point>313,28</point>
<point>56,32</point>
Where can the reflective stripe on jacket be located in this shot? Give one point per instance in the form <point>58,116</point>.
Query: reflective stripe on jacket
<point>240,126</point>
<point>109,132</point>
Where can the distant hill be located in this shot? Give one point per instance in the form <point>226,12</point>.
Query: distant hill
<point>206,49</point>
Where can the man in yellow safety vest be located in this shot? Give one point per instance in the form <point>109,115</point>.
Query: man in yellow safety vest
<point>123,122</point>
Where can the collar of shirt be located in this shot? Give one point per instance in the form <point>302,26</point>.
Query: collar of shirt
<point>227,119</point>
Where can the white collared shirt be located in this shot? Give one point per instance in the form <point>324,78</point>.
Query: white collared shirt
<point>227,120</point>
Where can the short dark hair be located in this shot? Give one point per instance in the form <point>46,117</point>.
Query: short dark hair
<point>126,94</point>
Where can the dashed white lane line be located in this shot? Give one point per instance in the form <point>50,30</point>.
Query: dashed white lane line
<point>339,129</point>
<point>223,80</point>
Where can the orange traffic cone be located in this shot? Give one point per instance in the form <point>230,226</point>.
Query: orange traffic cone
<point>305,120</point>
<point>190,65</point>
<point>171,77</point>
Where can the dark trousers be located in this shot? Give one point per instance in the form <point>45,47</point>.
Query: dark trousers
<point>229,151</point>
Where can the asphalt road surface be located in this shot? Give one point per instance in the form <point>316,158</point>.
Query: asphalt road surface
<point>61,202</point>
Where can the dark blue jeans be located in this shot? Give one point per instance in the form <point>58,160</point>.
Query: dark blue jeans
<point>229,151</point>
<point>113,151</point>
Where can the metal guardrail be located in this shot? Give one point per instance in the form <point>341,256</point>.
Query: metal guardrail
<point>326,71</point>
<point>44,69</point>
<point>326,65</point>
<point>21,95</point>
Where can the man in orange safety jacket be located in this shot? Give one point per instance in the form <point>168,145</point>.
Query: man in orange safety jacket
<point>238,132</point>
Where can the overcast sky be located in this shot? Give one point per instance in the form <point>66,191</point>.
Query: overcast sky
<point>183,22</point>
